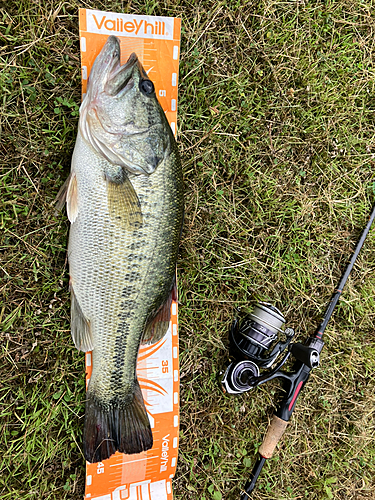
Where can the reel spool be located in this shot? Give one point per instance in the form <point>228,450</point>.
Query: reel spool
<point>252,345</point>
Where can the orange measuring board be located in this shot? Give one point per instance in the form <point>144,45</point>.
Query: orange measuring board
<point>147,475</point>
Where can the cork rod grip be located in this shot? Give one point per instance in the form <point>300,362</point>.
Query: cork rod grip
<point>274,434</point>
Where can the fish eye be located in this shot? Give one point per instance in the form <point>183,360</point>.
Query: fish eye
<point>147,87</point>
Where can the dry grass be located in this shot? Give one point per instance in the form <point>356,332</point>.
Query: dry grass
<point>276,131</point>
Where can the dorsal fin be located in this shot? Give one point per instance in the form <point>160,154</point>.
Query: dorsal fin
<point>157,327</point>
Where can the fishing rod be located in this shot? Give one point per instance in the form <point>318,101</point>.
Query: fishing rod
<point>250,342</point>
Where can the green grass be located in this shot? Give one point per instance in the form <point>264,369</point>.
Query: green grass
<point>276,133</point>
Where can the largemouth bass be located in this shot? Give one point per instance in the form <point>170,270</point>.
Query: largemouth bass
<point>125,204</point>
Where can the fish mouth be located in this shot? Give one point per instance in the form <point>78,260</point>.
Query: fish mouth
<point>107,71</point>
<point>106,62</point>
<point>122,77</point>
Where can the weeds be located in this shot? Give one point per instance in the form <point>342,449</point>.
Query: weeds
<point>276,132</point>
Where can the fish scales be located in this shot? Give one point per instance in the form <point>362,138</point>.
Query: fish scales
<point>125,204</point>
<point>119,277</point>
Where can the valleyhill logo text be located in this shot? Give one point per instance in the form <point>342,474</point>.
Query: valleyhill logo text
<point>157,28</point>
<point>128,25</point>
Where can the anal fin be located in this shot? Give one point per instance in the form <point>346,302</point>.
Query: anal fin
<point>158,325</point>
<point>80,326</point>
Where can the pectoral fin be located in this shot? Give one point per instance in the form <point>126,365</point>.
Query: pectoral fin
<point>123,204</point>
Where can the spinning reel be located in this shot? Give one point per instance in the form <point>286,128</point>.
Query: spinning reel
<point>255,347</point>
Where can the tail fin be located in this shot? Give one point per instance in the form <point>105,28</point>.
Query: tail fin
<point>125,428</point>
